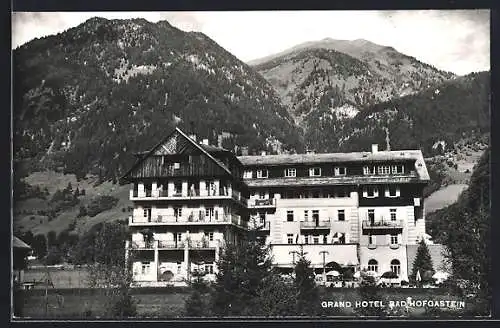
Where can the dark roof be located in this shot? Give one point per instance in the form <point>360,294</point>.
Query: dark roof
<point>320,181</point>
<point>18,243</point>
<point>381,156</point>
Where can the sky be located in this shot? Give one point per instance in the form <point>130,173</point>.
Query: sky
<point>452,40</point>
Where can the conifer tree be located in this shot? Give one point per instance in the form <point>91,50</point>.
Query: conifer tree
<point>195,305</point>
<point>307,298</point>
<point>422,264</point>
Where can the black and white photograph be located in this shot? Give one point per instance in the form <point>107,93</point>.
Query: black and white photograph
<point>226,165</point>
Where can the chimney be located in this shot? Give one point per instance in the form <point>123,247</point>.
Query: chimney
<point>374,148</point>
<point>244,151</point>
<point>193,136</point>
<point>263,153</point>
<point>205,142</point>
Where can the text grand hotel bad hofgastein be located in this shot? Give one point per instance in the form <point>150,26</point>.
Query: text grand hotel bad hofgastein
<point>455,304</point>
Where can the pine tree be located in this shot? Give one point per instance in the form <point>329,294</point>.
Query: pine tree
<point>241,273</point>
<point>307,298</point>
<point>422,264</point>
<point>195,305</point>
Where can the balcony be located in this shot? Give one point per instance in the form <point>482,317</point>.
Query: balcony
<point>173,245</point>
<point>382,226</point>
<point>193,194</point>
<point>265,227</point>
<point>263,203</point>
<point>320,225</point>
<point>164,220</point>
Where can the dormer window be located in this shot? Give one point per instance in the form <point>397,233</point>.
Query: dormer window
<point>398,169</point>
<point>368,170</point>
<point>247,174</point>
<point>384,170</point>
<point>340,170</point>
<point>315,172</point>
<point>370,192</point>
<point>290,173</point>
<point>262,174</point>
<point>392,192</point>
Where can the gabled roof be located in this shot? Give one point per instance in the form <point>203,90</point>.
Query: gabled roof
<point>143,155</point>
<point>18,243</point>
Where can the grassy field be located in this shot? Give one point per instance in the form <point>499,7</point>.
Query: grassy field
<point>443,197</point>
<point>169,302</point>
<point>25,216</point>
<point>77,278</point>
<point>87,303</point>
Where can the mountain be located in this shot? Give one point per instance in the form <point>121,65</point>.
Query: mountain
<point>434,120</point>
<point>87,98</point>
<point>344,77</point>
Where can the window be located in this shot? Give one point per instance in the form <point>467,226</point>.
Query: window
<point>341,192</point>
<point>373,265</point>
<point>339,170</point>
<point>178,236</point>
<point>341,215</point>
<point>329,278</point>
<point>262,173</point>
<point>392,191</point>
<point>247,175</point>
<point>177,212</point>
<point>179,268</point>
<point>396,267</point>
<point>210,236</point>
<point>367,170</point>
<point>393,214</point>
<point>394,239</point>
<point>209,268</point>
<point>178,188</point>
<point>306,215</point>
<point>209,211</point>
<point>146,212</point>
<point>290,173</point>
<point>398,169</point>
<point>371,216</point>
<point>315,172</point>
<point>316,239</point>
<point>145,266</point>
<point>289,238</point>
<point>372,240</point>
<point>177,165</point>
<point>262,195</point>
<point>384,170</point>
<point>289,216</point>
<point>315,216</point>
<point>262,218</point>
<point>370,192</point>
<point>306,239</point>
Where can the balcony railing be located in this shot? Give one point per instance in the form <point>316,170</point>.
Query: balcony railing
<point>270,202</point>
<point>382,224</point>
<point>191,193</point>
<point>315,225</point>
<point>170,244</point>
<point>201,219</point>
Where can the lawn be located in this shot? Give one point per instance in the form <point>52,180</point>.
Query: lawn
<point>169,302</point>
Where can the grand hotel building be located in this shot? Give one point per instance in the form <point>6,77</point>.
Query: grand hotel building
<point>362,210</point>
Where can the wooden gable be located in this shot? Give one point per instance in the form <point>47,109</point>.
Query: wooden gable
<point>177,156</point>
<point>175,144</point>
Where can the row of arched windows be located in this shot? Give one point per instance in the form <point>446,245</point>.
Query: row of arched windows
<point>395,266</point>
